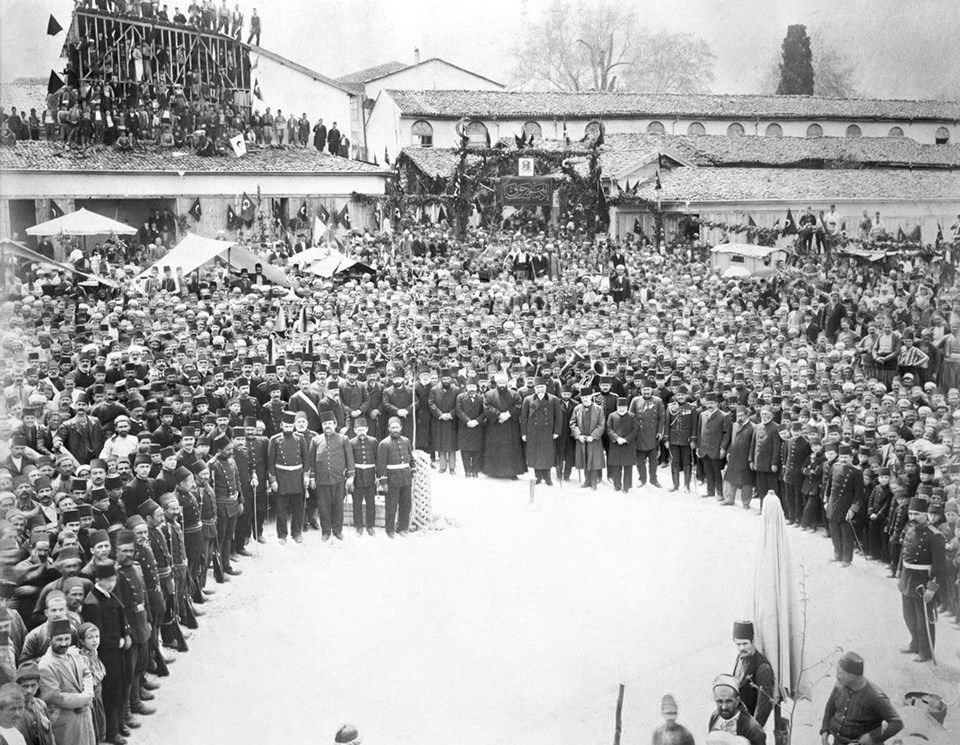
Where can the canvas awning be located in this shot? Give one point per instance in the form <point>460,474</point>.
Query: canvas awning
<point>325,261</point>
<point>18,249</point>
<point>745,249</point>
<point>81,222</point>
<point>194,251</point>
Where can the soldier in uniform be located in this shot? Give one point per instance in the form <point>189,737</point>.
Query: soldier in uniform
<point>156,604</point>
<point>132,591</point>
<point>257,447</point>
<point>287,458</point>
<point>364,478</point>
<point>622,457</point>
<point>844,499</point>
<point>271,413</point>
<point>650,416</point>
<point>395,471</point>
<point>470,419</point>
<point>922,569</point>
<point>681,437</point>
<point>225,479</point>
<point>796,452</point>
<point>330,468</point>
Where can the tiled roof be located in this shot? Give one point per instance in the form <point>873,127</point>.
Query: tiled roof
<point>436,161</point>
<point>356,80</point>
<point>51,156</point>
<point>25,94</point>
<point>559,105</point>
<point>620,150</point>
<point>796,185</point>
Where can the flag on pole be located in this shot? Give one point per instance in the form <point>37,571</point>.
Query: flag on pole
<point>915,235</point>
<point>750,222</point>
<point>55,209</point>
<point>901,236</point>
<point>232,219</point>
<point>939,238</point>
<point>344,217</point>
<point>789,224</point>
<point>319,230</point>
<point>247,210</point>
<point>55,83</point>
<point>256,90</point>
<point>377,215</point>
<point>195,211</point>
<point>324,214</point>
<point>441,215</point>
<point>239,145</point>
<point>302,212</point>
<point>637,229</point>
<point>276,208</point>
<point>53,27</point>
<point>658,186</point>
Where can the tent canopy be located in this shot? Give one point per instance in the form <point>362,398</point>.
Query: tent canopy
<point>18,249</point>
<point>194,251</point>
<point>325,261</point>
<point>745,249</point>
<point>81,222</point>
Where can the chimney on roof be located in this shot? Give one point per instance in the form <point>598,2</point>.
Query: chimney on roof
<point>416,55</point>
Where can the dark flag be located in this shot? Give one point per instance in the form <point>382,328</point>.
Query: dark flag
<point>915,235</point>
<point>520,140</point>
<point>195,211</point>
<point>441,215</point>
<point>939,238</point>
<point>247,209</point>
<point>377,216</point>
<point>901,236</point>
<point>232,219</point>
<point>637,229</point>
<point>55,209</point>
<point>658,186</point>
<point>789,225</point>
<point>256,90</point>
<point>345,217</point>
<point>53,28</point>
<point>386,157</point>
<point>478,208</point>
<point>276,209</point>
<point>323,214</point>
<point>55,83</point>
<point>302,213</point>
<point>750,222</point>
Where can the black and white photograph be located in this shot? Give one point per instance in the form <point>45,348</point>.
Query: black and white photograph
<point>526,372</point>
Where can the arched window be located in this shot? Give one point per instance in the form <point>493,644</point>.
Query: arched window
<point>774,130</point>
<point>696,128</point>
<point>735,130</point>
<point>477,135</point>
<point>895,132</point>
<point>592,131</point>
<point>422,133</point>
<point>532,129</point>
<point>656,128</point>
<point>854,131</point>
<point>942,137</point>
<point>814,130</point>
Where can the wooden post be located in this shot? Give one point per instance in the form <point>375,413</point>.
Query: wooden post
<point>618,725</point>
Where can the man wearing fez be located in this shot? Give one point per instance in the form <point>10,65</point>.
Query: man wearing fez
<point>731,716</point>
<point>754,672</point>
<point>365,477</point>
<point>470,415</point>
<point>587,425</point>
<point>540,425</point>
<point>330,468</point>
<point>711,439</point>
<point>287,466</point>
<point>843,500</point>
<point>503,448</point>
<point>66,687</point>
<point>225,479</point>
<point>622,456</point>
<point>394,470</point>
<point>922,570</point>
<point>441,402</point>
<point>857,711</point>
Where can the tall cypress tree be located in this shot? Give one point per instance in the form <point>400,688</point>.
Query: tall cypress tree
<point>796,69</point>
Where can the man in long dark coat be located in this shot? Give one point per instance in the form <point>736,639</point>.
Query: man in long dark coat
<point>442,403</point>
<point>541,419</point>
<point>565,447</point>
<point>587,425</point>
<point>739,475</point>
<point>470,421</point>
<point>622,457</point>
<point>650,415</point>
<point>502,449</point>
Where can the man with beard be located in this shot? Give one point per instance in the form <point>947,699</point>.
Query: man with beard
<point>225,479</point>
<point>470,419</point>
<point>681,432</point>
<point>922,573</point>
<point>395,471</point>
<point>565,450</point>
<point>711,441</point>
<point>541,419</point>
<point>503,448</point>
<point>622,457</point>
<point>738,475</point>
<point>121,444</point>
<point>765,460</point>
<point>587,425</point>
<point>132,592</point>
<point>649,416</point>
<point>330,468</point>
<point>843,500</point>
<point>82,435</point>
<point>287,463</point>
<point>398,402</point>
<point>442,402</point>
<point>731,716</point>
<point>754,672</point>
<point>306,400</point>
<point>66,688</point>
<point>364,482</point>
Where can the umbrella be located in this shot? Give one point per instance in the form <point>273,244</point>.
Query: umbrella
<point>776,605</point>
<point>736,271</point>
<point>81,222</point>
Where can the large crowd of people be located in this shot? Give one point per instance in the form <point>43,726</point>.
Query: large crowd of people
<point>150,433</point>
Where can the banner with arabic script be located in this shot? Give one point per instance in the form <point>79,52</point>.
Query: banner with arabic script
<point>517,191</point>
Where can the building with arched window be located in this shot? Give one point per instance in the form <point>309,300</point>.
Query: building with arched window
<point>696,128</point>
<point>656,128</point>
<point>773,130</point>
<point>532,131</point>
<point>814,130</point>
<point>422,133</point>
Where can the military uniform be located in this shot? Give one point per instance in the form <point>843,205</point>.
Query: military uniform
<point>364,481</point>
<point>795,452</point>
<point>844,493</point>
<point>132,591</point>
<point>287,457</point>
<point>650,417</point>
<point>395,467</point>
<point>225,479</point>
<point>331,466</point>
<point>922,567</point>
<point>681,420</point>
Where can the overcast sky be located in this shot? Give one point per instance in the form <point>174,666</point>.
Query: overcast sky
<point>905,48</point>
